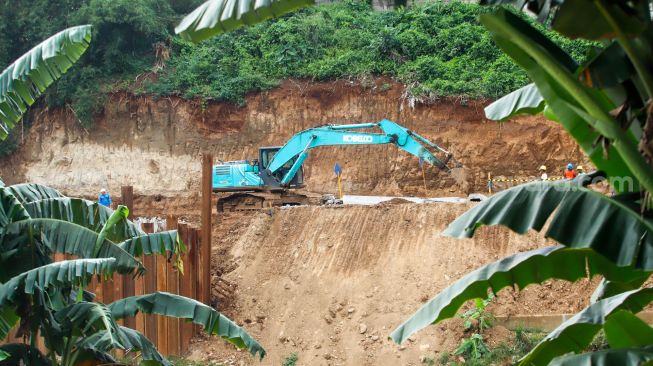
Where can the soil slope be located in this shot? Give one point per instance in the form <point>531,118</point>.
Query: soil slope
<point>331,283</point>
<point>155,145</point>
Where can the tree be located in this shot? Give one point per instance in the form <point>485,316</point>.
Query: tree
<point>606,106</point>
<point>48,299</point>
<point>22,82</point>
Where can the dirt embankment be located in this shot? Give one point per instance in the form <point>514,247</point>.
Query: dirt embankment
<point>155,145</point>
<point>330,283</point>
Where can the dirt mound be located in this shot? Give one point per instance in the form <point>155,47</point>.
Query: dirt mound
<point>155,144</point>
<point>394,201</point>
<point>330,283</point>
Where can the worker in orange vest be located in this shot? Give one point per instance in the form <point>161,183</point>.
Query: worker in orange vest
<point>569,173</point>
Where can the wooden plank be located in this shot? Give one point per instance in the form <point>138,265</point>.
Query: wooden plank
<point>196,270</point>
<point>161,322</point>
<point>107,290</point>
<point>205,248</point>
<point>173,288</point>
<point>185,289</point>
<point>139,289</point>
<point>128,282</point>
<point>151,331</point>
<point>127,199</point>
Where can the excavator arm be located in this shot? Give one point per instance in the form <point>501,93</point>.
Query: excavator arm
<point>297,148</point>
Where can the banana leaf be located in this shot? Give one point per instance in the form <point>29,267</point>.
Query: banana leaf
<point>10,209</point>
<point>86,213</point>
<point>136,341</point>
<point>525,100</point>
<point>582,218</point>
<point>218,16</point>
<point>166,304</point>
<point>621,357</point>
<point>521,270</point>
<point>623,329</point>
<point>30,192</point>
<point>27,78</point>
<point>8,320</point>
<point>84,319</point>
<point>582,112</point>
<point>576,334</point>
<point>131,340</point>
<point>69,238</point>
<point>22,354</point>
<point>66,273</point>
<point>156,243</point>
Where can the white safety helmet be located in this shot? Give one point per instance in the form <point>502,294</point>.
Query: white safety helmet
<point>542,167</point>
<point>103,190</point>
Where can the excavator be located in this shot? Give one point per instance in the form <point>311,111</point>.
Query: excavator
<point>271,180</point>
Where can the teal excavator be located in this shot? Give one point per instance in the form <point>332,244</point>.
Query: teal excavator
<point>271,179</point>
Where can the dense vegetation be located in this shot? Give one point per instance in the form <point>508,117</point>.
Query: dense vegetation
<point>438,49</point>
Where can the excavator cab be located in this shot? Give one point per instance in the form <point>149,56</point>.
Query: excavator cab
<point>266,154</point>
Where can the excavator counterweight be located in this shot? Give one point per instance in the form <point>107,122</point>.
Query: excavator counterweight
<point>270,179</point>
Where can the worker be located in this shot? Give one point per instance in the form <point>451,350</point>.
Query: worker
<point>579,170</point>
<point>104,199</point>
<point>543,174</point>
<point>569,173</point>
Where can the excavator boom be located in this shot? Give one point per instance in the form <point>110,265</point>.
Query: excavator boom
<point>296,149</point>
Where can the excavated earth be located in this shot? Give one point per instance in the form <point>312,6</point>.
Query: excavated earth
<point>155,145</point>
<point>328,283</point>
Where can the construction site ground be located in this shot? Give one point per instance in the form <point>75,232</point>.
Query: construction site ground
<point>330,283</point>
<point>327,283</point>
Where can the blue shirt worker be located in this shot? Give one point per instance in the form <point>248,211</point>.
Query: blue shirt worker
<point>104,199</point>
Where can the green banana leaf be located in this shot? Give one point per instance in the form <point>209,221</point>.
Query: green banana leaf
<point>27,78</point>
<point>218,16</point>
<point>576,334</point>
<point>68,238</point>
<point>22,354</point>
<point>166,304</point>
<point>610,288</point>
<point>583,18</point>
<point>621,357</point>
<point>4,355</point>
<point>156,243</point>
<point>66,273</point>
<point>119,215</point>
<point>521,270</point>
<point>136,341</point>
<point>623,329</point>
<point>85,213</point>
<point>84,319</point>
<point>131,340</point>
<point>525,100</point>
<point>512,34</point>
<point>30,192</point>
<point>582,219</point>
<point>10,209</point>
<point>8,320</point>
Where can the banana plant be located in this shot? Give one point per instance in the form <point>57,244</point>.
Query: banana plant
<point>605,105</point>
<point>42,298</point>
<point>22,82</point>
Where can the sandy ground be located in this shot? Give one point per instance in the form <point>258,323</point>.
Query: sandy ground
<point>330,283</point>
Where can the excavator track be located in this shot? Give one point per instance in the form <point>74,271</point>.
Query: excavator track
<point>249,201</point>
